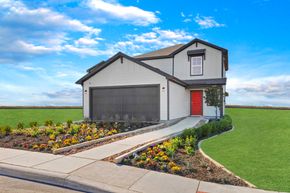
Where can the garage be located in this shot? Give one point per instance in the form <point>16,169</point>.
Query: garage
<point>139,103</point>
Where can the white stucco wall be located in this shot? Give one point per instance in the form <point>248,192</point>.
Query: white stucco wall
<point>179,97</point>
<point>164,64</point>
<point>211,67</point>
<point>126,73</point>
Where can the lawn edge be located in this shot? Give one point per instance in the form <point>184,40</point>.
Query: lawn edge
<point>219,164</point>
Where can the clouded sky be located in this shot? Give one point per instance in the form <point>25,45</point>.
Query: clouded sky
<point>45,46</point>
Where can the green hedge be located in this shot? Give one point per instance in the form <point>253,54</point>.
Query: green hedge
<point>209,129</point>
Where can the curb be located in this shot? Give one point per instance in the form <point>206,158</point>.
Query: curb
<point>219,164</point>
<point>56,179</point>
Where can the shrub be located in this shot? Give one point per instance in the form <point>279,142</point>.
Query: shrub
<point>211,128</point>
<point>60,129</point>
<point>58,124</point>
<point>188,132</point>
<point>74,129</point>
<point>205,130</point>
<point>190,141</point>
<point>68,123</point>
<point>5,130</point>
<point>33,124</point>
<point>176,142</point>
<point>20,125</point>
<point>48,123</point>
<point>189,150</point>
<point>49,131</point>
<point>35,133</point>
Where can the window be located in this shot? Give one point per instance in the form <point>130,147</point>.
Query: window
<point>196,65</point>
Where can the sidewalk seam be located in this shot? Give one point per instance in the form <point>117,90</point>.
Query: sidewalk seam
<point>197,186</point>
<point>46,162</point>
<point>129,188</point>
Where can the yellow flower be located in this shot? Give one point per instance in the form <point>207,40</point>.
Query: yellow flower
<point>88,138</point>
<point>143,154</point>
<point>171,164</point>
<point>175,169</point>
<point>74,140</point>
<point>52,137</point>
<point>161,153</point>
<point>164,158</point>
<point>67,142</point>
<point>114,131</point>
<point>35,146</point>
<point>55,146</point>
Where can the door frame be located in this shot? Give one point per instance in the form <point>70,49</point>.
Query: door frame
<point>122,86</point>
<point>201,90</point>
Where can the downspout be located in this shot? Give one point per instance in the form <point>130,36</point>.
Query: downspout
<point>168,115</point>
<point>83,96</point>
<point>173,66</point>
<point>222,106</point>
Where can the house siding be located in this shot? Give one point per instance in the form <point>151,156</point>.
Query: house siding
<point>212,64</point>
<point>164,64</point>
<point>126,74</point>
<point>179,101</point>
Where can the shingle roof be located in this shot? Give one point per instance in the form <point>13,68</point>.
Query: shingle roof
<point>160,53</point>
<point>103,65</point>
<point>169,52</point>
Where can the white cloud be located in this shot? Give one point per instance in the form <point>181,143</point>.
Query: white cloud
<point>187,20</point>
<point>29,68</point>
<point>130,14</point>
<point>182,14</point>
<point>207,22</point>
<point>271,91</point>
<point>155,39</point>
<point>27,32</point>
<point>86,41</point>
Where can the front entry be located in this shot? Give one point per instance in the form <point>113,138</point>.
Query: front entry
<point>196,102</point>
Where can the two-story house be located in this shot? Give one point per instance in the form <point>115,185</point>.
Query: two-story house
<point>161,85</point>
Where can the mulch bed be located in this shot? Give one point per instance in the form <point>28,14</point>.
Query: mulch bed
<point>198,167</point>
<point>25,142</point>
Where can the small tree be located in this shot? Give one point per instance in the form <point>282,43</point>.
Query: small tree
<point>214,97</point>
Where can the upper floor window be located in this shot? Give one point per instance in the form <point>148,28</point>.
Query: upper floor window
<point>196,65</point>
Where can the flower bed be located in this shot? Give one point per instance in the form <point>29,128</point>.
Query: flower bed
<point>180,156</point>
<point>54,136</point>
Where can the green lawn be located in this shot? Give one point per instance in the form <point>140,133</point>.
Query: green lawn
<point>12,117</point>
<point>258,149</point>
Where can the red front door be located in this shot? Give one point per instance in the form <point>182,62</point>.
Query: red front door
<point>196,102</point>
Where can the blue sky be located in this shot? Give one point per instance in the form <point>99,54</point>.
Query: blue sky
<point>45,46</point>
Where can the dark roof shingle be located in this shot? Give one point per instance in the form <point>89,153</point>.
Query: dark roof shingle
<point>160,53</point>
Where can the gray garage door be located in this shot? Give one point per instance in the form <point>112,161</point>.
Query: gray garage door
<point>139,103</point>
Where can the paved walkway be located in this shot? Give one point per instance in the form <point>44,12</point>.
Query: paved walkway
<point>85,171</point>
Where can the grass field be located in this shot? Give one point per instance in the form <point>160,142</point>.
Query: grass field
<point>258,149</point>
<point>12,117</point>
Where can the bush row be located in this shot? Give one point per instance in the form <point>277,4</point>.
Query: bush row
<point>209,129</point>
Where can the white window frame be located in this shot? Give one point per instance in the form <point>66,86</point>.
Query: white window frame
<point>194,64</point>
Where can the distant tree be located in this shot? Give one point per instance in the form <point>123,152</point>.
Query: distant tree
<point>214,97</point>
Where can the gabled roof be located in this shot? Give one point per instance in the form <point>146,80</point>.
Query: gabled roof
<point>91,68</point>
<point>169,52</point>
<point>97,68</point>
<point>164,52</point>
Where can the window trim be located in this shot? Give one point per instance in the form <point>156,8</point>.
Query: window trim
<point>202,63</point>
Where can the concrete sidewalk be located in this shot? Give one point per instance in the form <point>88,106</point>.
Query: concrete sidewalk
<point>84,171</point>
<point>110,149</point>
